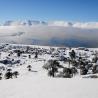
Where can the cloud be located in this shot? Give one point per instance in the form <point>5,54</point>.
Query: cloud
<point>51,33</point>
<point>86,25</point>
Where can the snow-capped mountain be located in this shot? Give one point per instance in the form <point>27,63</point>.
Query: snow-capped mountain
<point>24,23</point>
<point>86,25</point>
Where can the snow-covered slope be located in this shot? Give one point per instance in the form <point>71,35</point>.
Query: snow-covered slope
<point>34,86</point>
<point>36,83</point>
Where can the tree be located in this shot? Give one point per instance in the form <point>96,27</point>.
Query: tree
<point>72,54</point>
<point>29,67</point>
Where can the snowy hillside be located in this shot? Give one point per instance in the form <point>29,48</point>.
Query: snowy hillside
<point>35,86</point>
<point>34,64</point>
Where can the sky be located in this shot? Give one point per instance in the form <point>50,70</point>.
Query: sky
<point>68,10</point>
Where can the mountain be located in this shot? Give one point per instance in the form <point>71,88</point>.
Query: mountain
<point>24,23</point>
<point>36,82</point>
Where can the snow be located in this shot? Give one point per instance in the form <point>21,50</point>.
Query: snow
<point>37,84</point>
<point>33,86</point>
